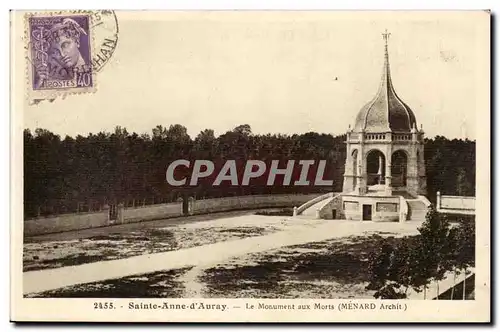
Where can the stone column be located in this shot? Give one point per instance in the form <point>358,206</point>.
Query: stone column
<point>119,213</point>
<point>362,164</point>
<point>388,173</point>
<point>412,176</point>
<point>388,179</point>
<point>438,201</point>
<point>422,179</point>
<point>181,205</point>
<point>191,201</point>
<point>105,209</point>
<point>349,172</point>
<point>380,171</point>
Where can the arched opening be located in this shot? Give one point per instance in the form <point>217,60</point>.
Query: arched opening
<point>355,167</point>
<point>375,167</point>
<point>399,168</point>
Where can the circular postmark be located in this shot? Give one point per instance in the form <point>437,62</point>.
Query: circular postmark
<point>105,34</point>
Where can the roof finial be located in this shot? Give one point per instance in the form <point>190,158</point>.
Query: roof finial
<point>386,36</point>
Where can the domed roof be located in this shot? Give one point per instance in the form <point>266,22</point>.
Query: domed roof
<point>386,112</point>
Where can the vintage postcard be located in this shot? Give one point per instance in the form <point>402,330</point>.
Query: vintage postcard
<point>250,166</point>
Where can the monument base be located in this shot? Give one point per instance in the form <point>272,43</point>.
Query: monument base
<point>375,205</point>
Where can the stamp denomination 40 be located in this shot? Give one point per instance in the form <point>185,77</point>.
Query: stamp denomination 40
<point>61,47</point>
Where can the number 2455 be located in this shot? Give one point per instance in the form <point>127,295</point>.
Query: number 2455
<point>103,305</point>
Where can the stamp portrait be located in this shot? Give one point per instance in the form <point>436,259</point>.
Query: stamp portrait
<point>60,53</point>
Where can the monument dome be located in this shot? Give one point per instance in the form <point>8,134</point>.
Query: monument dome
<point>386,112</point>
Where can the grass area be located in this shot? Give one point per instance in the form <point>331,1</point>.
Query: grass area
<point>328,269</point>
<point>153,285</point>
<point>46,255</point>
<point>189,237</point>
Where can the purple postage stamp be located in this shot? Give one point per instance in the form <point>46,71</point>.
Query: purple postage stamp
<point>60,51</point>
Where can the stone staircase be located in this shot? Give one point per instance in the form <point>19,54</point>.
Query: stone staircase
<point>417,209</point>
<point>311,211</point>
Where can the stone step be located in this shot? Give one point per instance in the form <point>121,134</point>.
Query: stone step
<point>417,209</point>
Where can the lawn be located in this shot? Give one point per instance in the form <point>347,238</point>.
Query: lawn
<point>335,268</point>
<point>54,254</point>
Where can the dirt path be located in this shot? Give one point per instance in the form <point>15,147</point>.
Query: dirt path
<point>203,256</point>
<point>193,287</point>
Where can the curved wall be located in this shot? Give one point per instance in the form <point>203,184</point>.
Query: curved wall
<point>77,221</point>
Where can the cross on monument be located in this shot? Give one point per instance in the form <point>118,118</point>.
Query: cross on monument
<point>386,36</point>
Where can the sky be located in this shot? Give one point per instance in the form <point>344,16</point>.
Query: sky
<point>287,73</point>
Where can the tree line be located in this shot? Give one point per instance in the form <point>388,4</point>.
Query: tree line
<point>83,173</point>
<point>416,262</point>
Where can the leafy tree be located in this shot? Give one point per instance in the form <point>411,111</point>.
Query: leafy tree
<point>403,271</point>
<point>466,237</point>
<point>446,162</point>
<point>434,245</point>
<point>417,261</point>
<point>453,240</point>
<point>379,264</point>
<point>421,269</point>
<point>159,132</point>
<point>463,185</point>
<point>178,134</point>
<point>394,270</point>
<point>244,129</point>
<point>389,291</point>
